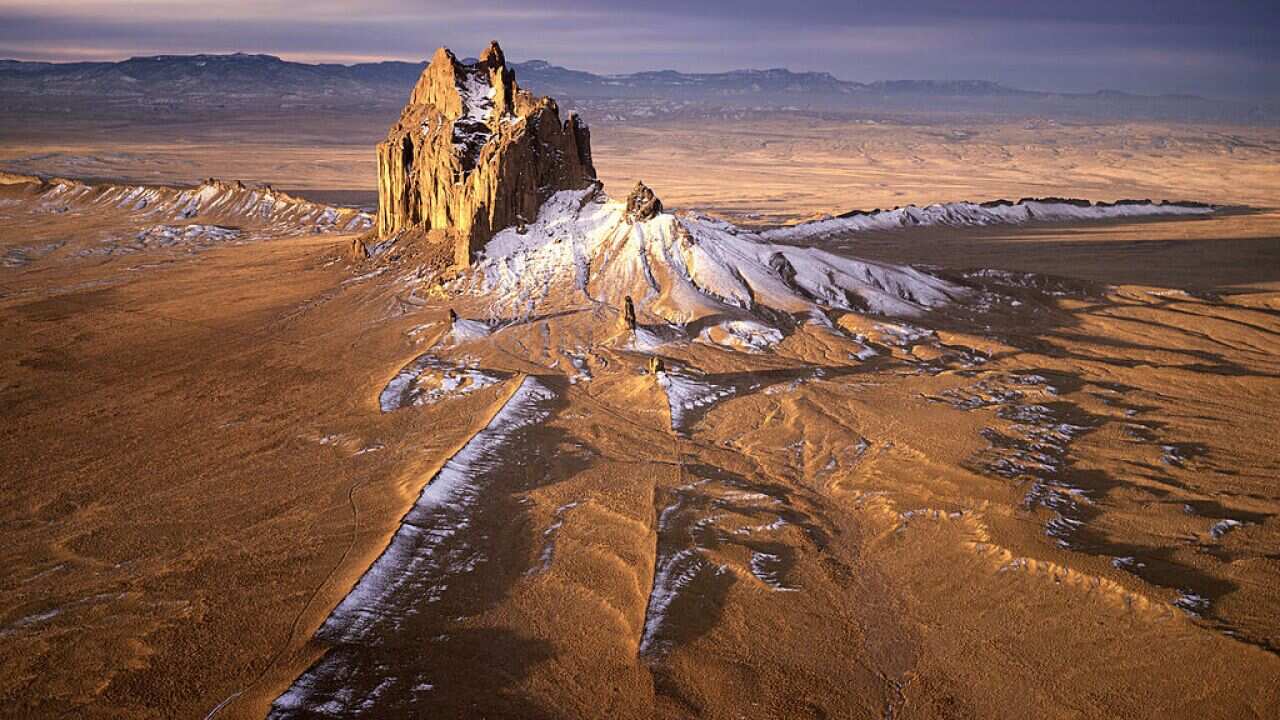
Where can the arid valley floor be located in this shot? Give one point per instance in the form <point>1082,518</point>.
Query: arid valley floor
<point>1054,495</point>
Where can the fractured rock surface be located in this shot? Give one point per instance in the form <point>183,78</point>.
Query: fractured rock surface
<point>642,203</point>
<point>472,154</point>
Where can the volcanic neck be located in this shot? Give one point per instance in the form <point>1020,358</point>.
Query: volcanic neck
<point>473,154</point>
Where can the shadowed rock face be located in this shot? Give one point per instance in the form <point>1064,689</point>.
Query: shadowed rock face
<point>472,154</point>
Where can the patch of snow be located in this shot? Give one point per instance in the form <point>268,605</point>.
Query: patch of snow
<point>769,569</point>
<point>430,547</point>
<point>427,380</point>
<point>582,372</point>
<point>471,129</point>
<point>1192,603</point>
<point>29,621</point>
<point>649,339</point>
<point>742,335</point>
<point>686,394</point>
<point>465,331</point>
<point>477,96</point>
<point>673,574</point>
<point>1128,563</point>
<point>968,214</point>
<point>1222,527</point>
<point>903,334</point>
<point>159,236</point>
<point>1173,455</point>
<point>366,276</point>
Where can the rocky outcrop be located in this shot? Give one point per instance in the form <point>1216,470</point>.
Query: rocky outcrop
<point>472,154</point>
<point>642,203</point>
<point>357,251</point>
<point>628,315</point>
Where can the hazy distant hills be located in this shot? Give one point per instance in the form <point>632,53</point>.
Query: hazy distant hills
<point>228,80</point>
<point>245,75</point>
<point>178,76</point>
<point>241,74</point>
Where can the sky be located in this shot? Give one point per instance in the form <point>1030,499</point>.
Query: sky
<point>1215,48</point>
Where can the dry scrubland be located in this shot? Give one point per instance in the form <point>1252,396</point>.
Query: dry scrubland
<point>197,468</point>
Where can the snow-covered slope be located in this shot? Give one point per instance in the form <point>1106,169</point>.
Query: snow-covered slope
<point>213,201</point>
<point>967,214</point>
<point>583,247</point>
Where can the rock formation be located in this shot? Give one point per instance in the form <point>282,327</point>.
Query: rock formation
<point>628,315</point>
<point>642,204</point>
<point>358,251</point>
<point>472,154</point>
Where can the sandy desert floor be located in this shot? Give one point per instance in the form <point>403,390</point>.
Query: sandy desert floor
<point>1063,505</point>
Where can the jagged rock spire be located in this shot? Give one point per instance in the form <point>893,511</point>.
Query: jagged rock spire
<point>628,315</point>
<point>492,55</point>
<point>642,203</point>
<point>472,154</point>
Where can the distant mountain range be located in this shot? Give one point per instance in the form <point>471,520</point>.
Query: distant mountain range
<point>241,74</point>
<point>237,78</point>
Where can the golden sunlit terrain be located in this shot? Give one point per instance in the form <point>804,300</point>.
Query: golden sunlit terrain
<point>1034,474</point>
<point>776,169</point>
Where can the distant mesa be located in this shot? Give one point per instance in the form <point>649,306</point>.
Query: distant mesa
<point>472,154</point>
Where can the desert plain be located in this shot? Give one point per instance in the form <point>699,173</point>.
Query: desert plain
<point>1057,500</point>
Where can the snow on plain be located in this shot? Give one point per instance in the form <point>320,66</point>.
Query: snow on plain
<point>1222,527</point>
<point>428,380</point>
<point>769,568</point>
<point>742,335</point>
<point>549,537</point>
<point>674,572</point>
<point>1192,603</point>
<point>194,234</point>
<point>968,214</point>
<point>686,394</point>
<point>466,331</point>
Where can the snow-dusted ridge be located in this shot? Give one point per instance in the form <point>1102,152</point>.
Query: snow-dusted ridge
<point>434,546</point>
<point>414,556</point>
<point>213,201</point>
<point>683,268</point>
<point>680,269</point>
<point>970,214</point>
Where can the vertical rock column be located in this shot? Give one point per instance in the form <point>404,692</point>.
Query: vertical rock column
<point>472,154</point>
